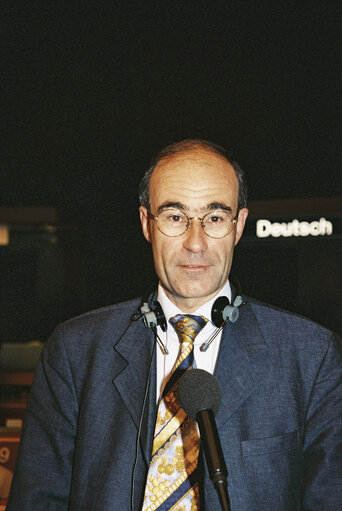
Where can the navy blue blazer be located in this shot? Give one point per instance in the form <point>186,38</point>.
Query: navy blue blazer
<point>280,420</point>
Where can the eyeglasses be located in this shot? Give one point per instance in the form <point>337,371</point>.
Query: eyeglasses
<point>215,224</point>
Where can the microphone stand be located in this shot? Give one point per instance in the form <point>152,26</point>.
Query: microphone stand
<point>214,456</point>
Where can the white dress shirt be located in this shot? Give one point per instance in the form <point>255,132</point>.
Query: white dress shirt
<point>203,360</point>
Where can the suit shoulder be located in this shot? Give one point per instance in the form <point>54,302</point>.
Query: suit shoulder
<point>119,310</point>
<point>105,322</point>
<point>289,335</point>
<point>272,318</point>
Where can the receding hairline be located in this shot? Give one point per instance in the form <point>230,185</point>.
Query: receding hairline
<point>199,162</point>
<point>187,146</point>
<point>195,150</point>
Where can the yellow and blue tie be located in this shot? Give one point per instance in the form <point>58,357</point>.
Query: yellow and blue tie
<point>172,480</point>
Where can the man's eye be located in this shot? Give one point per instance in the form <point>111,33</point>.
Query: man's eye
<point>175,218</point>
<point>214,219</point>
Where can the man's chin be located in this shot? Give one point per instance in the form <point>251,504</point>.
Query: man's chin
<point>192,291</point>
<point>190,286</point>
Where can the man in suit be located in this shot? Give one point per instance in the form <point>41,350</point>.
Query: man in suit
<point>87,438</point>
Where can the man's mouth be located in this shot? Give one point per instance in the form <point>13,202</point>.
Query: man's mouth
<point>194,266</point>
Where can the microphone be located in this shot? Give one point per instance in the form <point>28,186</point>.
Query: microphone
<point>200,396</point>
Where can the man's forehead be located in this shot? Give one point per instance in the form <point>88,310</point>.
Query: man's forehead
<point>196,178</point>
<point>197,166</point>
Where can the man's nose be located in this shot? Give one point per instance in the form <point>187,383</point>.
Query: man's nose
<point>195,239</point>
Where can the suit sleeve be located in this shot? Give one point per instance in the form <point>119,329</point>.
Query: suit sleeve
<point>322,488</point>
<point>43,471</point>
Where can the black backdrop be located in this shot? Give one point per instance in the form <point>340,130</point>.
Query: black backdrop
<point>91,90</point>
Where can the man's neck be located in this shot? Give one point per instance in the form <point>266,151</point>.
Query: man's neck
<point>183,306</point>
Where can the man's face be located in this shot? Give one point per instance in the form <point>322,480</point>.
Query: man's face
<point>192,267</point>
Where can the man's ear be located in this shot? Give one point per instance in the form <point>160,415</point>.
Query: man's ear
<point>145,224</point>
<point>240,225</point>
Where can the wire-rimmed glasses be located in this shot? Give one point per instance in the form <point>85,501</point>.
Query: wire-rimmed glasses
<point>174,222</point>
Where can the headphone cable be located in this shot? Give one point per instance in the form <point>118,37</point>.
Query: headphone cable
<point>140,424</point>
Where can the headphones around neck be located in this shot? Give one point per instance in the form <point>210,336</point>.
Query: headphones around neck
<point>221,311</point>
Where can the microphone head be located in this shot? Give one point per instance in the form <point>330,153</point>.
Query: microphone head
<point>199,390</point>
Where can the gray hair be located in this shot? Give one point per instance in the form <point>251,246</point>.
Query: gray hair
<point>184,146</point>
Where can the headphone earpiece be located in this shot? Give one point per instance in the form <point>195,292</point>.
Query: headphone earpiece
<point>222,310</point>
<point>153,317</point>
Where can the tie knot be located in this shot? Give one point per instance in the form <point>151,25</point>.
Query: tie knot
<point>188,326</point>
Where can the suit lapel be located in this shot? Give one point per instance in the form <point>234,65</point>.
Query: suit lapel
<point>134,352</point>
<point>242,360</point>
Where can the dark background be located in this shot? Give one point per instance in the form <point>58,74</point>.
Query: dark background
<point>91,90</point>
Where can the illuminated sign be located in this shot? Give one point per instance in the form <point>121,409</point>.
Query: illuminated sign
<point>4,235</point>
<point>294,221</point>
<point>321,227</point>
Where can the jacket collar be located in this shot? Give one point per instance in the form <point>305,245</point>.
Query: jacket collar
<point>135,357</point>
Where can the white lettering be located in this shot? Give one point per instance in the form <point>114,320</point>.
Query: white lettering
<point>265,228</point>
<point>304,228</point>
<point>295,225</point>
<point>276,230</point>
<point>315,229</point>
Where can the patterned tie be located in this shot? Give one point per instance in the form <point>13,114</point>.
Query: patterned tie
<point>172,481</point>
